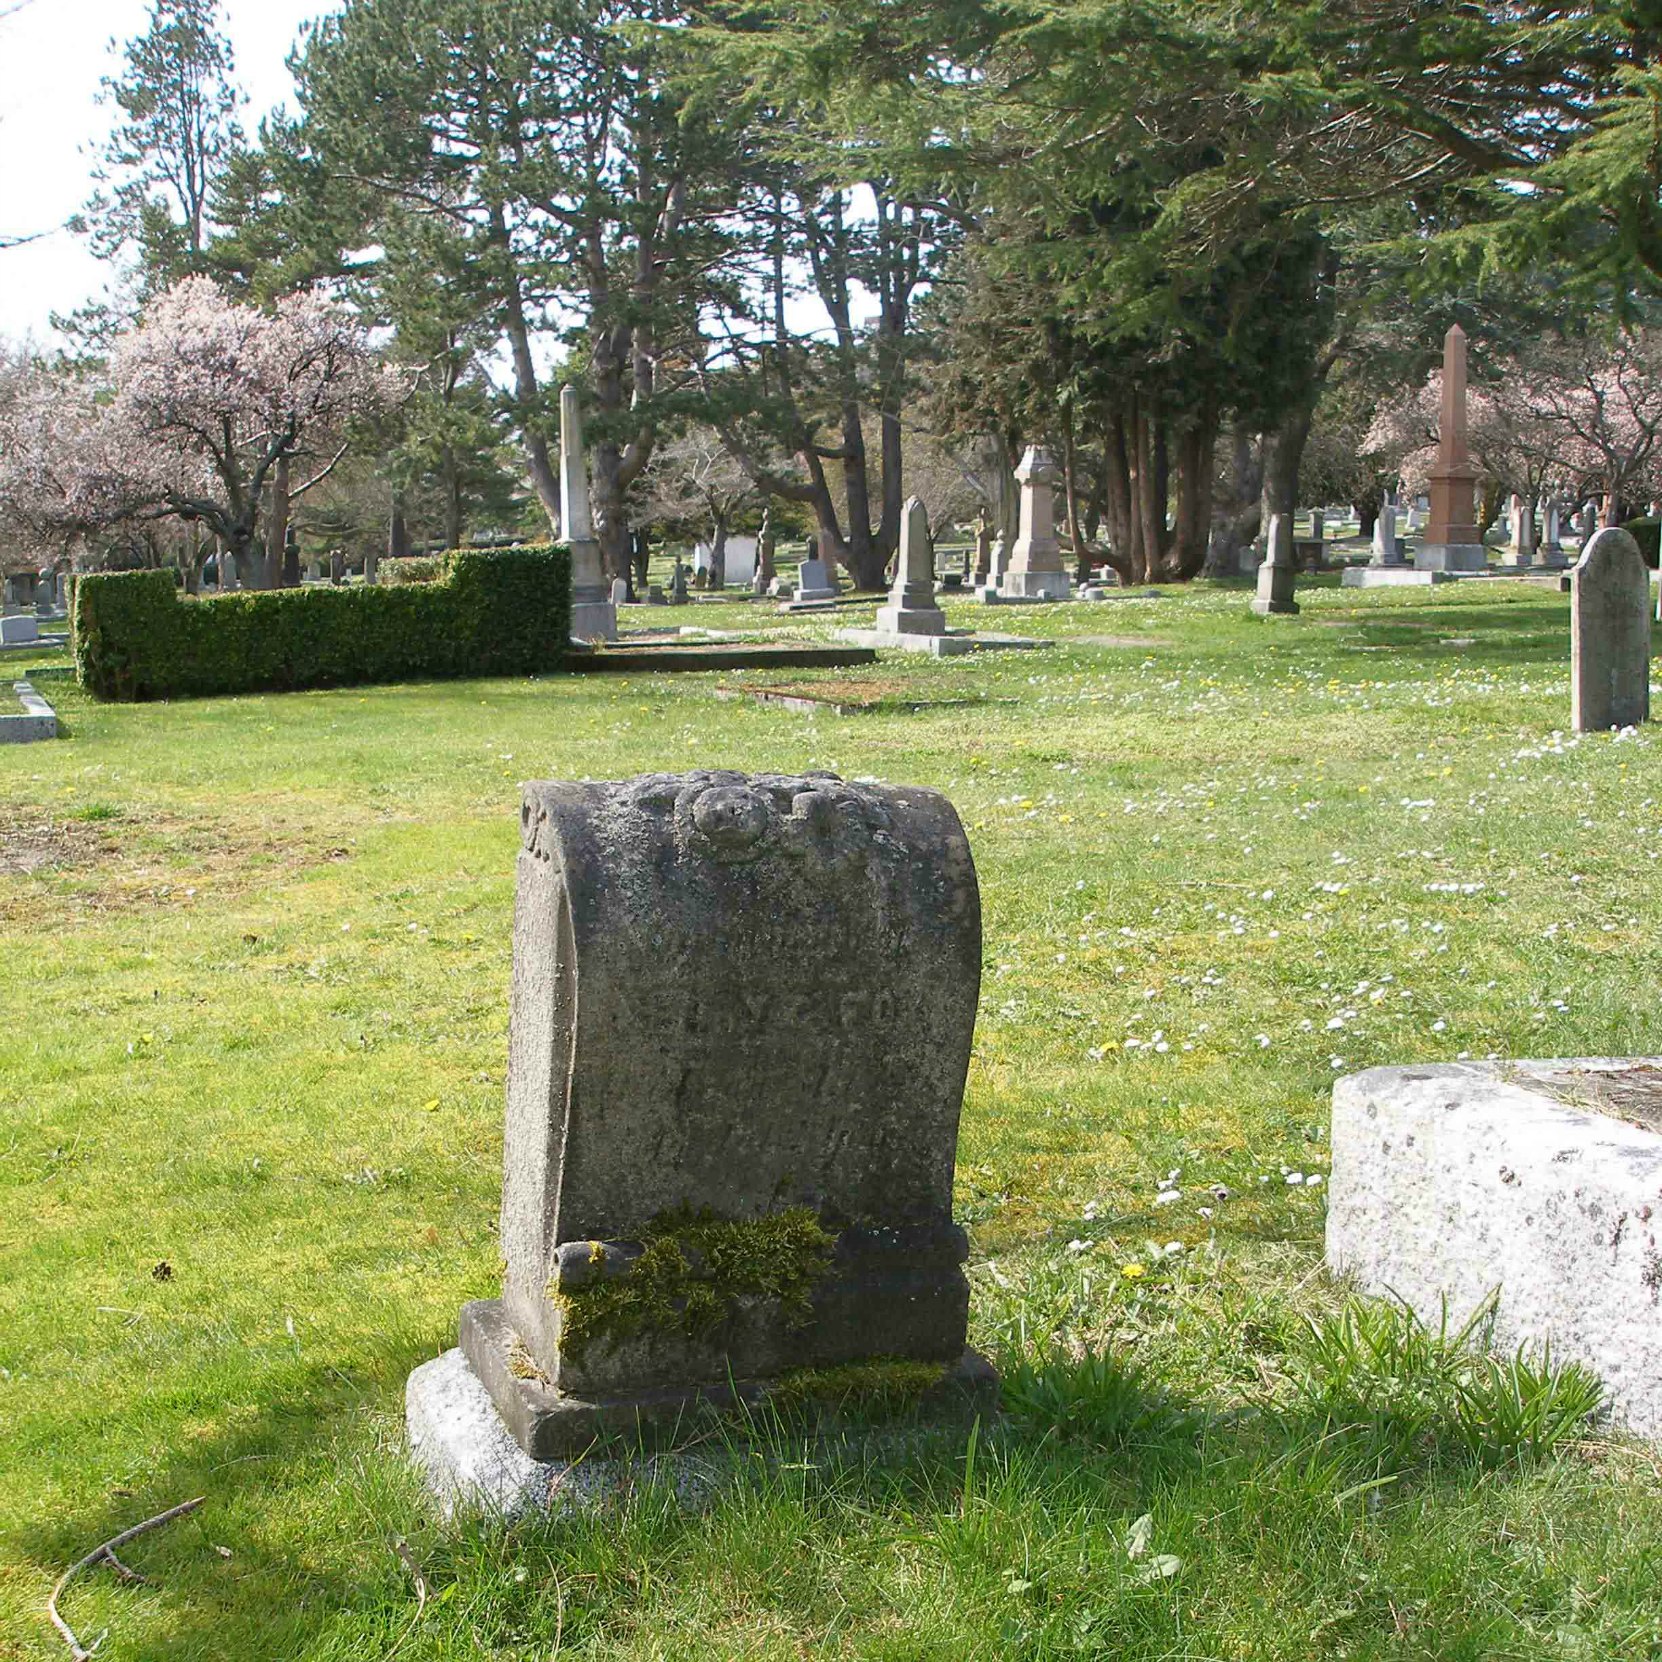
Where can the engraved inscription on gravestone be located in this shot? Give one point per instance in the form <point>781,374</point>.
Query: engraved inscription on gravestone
<point>741,1024</point>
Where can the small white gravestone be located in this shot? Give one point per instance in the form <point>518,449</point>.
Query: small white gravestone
<point>1035,571</point>
<point>1276,575</point>
<point>1387,545</point>
<point>816,578</point>
<point>1609,635</point>
<point>1550,550</point>
<point>593,616</point>
<point>911,609</point>
<point>620,592</point>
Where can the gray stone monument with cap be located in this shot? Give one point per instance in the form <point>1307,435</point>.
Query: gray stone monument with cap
<point>1035,571</point>
<point>1276,576</point>
<point>593,616</point>
<point>911,609</point>
<point>1610,616</point>
<point>691,1210</point>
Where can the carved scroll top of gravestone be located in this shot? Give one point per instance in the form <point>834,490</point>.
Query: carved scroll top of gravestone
<point>741,994</point>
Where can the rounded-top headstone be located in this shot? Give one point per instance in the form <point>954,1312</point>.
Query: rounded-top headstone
<point>1610,618</point>
<point>737,997</point>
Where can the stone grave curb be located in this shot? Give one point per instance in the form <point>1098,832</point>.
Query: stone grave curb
<point>37,719</point>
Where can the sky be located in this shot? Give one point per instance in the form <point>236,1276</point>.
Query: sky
<point>53,55</point>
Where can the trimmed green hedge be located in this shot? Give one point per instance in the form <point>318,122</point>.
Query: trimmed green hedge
<point>504,612</point>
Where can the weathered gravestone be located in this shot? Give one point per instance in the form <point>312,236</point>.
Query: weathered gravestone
<point>816,579</point>
<point>691,1208</point>
<point>593,616</point>
<point>1609,635</point>
<point>911,609</point>
<point>1387,545</point>
<point>1550,551</point>
<point>1277,575</point>
<point>1035,568</point>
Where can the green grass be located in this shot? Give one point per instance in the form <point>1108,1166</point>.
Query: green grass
<point>256,958</point>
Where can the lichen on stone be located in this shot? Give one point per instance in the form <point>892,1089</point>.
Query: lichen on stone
<point>694,1271</point>
<point>885,1381</point>
<point>523,1365</point>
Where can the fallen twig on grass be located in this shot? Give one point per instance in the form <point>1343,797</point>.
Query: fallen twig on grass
<point>104,1553</point>
<point>401,1548</point>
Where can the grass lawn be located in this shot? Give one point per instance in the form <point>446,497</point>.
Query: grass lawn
<point>256,962</point>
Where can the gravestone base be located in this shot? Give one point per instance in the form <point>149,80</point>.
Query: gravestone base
<point>1451,556</point>
<point>37,719</point>
<point>1534,1180</point>
<point>910,620</point>
<point>941,646</point>
<point>1392,577</point>
<point>1518,559</point>
<point>593,620</point>
<point>469,1460</point>
<point>544,1427</point>
<point>1035,585</point>
<point>1551,557</point>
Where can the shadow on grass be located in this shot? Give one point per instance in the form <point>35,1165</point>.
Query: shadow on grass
<point>1061,1525</point>
<point>263,1477</point>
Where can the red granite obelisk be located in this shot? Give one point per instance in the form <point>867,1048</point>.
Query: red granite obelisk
<point>1452,540</point>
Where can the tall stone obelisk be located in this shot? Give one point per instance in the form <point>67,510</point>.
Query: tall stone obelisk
<point>593,616</point>
<point>1452,540</point>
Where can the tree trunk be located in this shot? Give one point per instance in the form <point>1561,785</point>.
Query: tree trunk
<point>452,501</point>
<point>1148,490</point>
<point>398,533</point>
<point>1235,519</point>
<point>526,388</point>
<point>862,553</point>
<point>640,550</point>
<point>1118,507</point>
<point>277,526</point>
<point>1283,455</point>
<point>718,552</point>
<point>1070,496</point>
<point>1196,451</point>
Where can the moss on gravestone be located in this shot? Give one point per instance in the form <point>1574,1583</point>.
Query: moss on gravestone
<point>693,1272</point>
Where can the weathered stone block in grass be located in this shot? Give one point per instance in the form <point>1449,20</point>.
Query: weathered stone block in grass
<point>1610,605</point>
<point>741,1024</point>
<point>1541,1181</point>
